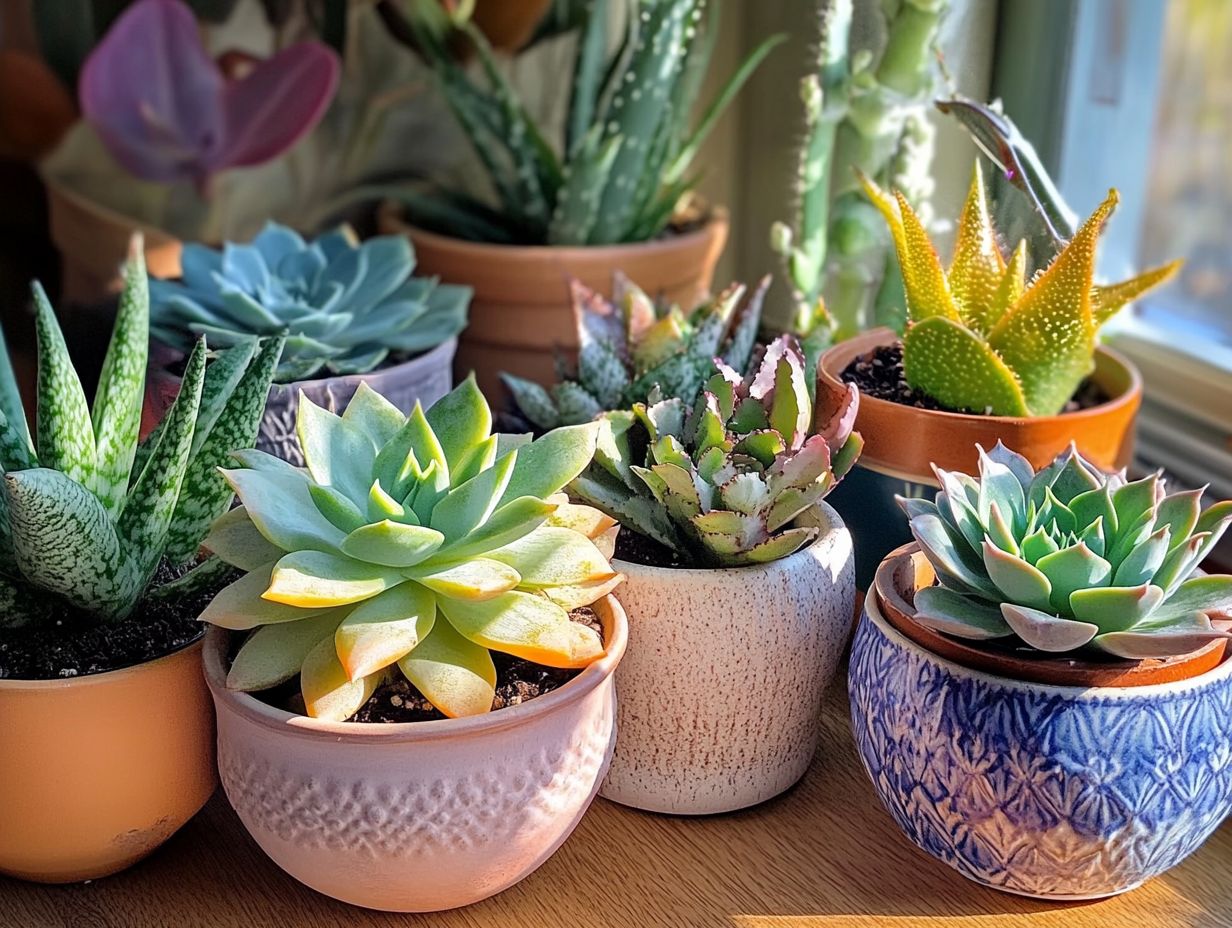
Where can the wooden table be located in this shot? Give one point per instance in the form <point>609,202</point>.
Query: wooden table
<point>825,855</point>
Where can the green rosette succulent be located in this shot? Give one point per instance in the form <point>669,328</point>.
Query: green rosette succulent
<point>1069,558</point>
<point>631,345</point>
<point>87,512</point>
<point>722,481</point>
<point>409,544</point>
<point>343,306</point>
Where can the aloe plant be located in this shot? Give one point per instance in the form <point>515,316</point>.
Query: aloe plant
<point>624,162</point>
<point>721,481</point>
<point>1069,558</point>
<point>981,336</point>
<point>343,306</point>
<point>87,512</point>
<point>631,345</point>
<point>412,544</point>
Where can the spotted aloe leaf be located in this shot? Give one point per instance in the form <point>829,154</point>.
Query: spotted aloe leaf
<point>65,431</point>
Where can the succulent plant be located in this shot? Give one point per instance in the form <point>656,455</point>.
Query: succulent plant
<point>624,162</point>
<point>980,336</point>
<point>722,481</point>
<point>344,307</point>
<point>87,513</point>
<point>631,345</point>
<point>1068,558</point>
<point>421,541</point>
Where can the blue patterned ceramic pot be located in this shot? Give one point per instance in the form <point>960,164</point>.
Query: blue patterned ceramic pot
<point>1056,792</point>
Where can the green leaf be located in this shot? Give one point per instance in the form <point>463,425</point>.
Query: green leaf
<point>336,453</point>
<point>18,452</point>
<point>392,544</point>
<point>476,579</point>
<point>410,453</point>
<point>1018,581</point>
<point>511,521</point>
<point>1115,608</point>
<point>281,507</point>
<point>532,401</point>
<point>328,692</point>
<point>1072,569</point>
<point>1161,641</point>
<point>311,579</point>
<point>242,605</point>
<point>525,625</point>
<point>65,433</point>
<point>464,508</point>
<point>382,630</point>
<point>551,556</point>
<point>1198,594</point>
<point>454,674</point>
<point>235,539</point>
<point>962,616</point>
<point>460,420</point>
<point>954,366</point>
<point>1140,564</point>
<point>274,654</point>
<point>372,414</point>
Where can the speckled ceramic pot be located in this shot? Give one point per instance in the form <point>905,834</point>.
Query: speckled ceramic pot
<point>422,816</point>
<point>1056,792</point>
<point>426,378</point>
<point>720,691</point>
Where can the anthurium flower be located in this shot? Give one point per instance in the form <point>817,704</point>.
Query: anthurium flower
<point>167,113</point>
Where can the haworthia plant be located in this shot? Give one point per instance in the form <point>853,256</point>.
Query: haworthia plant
<point>1069,558</point>
<point>413,545</point>
<point>632,345</point>
<point>87,513</point>
<point>624,163</point>
<point>980,336</point>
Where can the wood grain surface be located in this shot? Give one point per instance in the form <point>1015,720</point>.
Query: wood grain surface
<point>825,855</point>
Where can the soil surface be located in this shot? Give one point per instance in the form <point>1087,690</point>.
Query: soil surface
<point>638,549</point>
<point>880,374</point>
<point>74,645</point>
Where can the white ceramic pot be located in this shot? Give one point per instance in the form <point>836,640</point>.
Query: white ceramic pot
<point>421,816</point>
<point>720,691</point>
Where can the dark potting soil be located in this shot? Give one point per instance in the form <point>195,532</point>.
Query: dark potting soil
<point>71,644</point>
<point>880,374</point>
<point>638,549</point>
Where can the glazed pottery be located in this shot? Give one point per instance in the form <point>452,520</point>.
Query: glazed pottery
<point>426,378</point>
<point>1054,791</point>
<point>521,315</point>
<point>97,771</point>
<point>720,692</point>
<point>902,442</point>
<point>421,816</point>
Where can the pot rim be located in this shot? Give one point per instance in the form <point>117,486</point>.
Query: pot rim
<point>827,519</point>
<point>98,679</point>
<point>876,338</point>
<point>615,625</point>
<point>872,609</point>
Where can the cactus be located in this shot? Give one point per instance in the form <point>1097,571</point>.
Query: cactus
<point>344,307</point>
<point>864,108</point>
<point>1069,558</point>
<point>632,345</point>
<point>421,541</point>
<point>721,481</point>
<point>624,162</point>
<point>980,336</point>
<point>89,514</point>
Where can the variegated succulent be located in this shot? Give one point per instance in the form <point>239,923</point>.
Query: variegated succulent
<point>421,542</point>
<point>631,345</point>
<point>980,337</point>
<point>344,307</point>
<point>87,513</point>
<point>1069,558</point>
<point>721,481</point>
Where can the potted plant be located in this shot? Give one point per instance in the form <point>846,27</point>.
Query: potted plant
<point>631,345</point>
<point>989,354</point>
<point>739,582</point>
<point>1038,692</point>
<point>351,313</point>
<point>105,749</point>
<point>419,573</point>
<point>608,196</point>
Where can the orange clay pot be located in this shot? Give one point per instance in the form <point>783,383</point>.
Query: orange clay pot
<point>521,316</point>
<point>98,771</point>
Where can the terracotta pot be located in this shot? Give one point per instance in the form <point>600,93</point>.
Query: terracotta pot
<point>521,316</point>
<point>98,771</point>
<point>901,441</point>
<point>1053,791</point>
<point>426,378</point>
<point>720,692</point>
<point>422,816</point>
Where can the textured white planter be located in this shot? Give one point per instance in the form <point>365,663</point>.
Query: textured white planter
<point>719,694</point>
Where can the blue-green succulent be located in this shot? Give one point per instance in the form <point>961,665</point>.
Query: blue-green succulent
<point>344,307</point>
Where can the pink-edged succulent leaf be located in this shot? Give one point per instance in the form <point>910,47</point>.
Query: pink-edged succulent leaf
<point>1045,631</point>
<point>838,424</point>
<point>1115,608</point>
<point>952,613</point>
<point>1163,640</point>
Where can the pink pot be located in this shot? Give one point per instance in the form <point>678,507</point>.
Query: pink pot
<point>423,816</point>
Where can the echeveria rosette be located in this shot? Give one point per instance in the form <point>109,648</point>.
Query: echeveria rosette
<point>344,306</point>
<point>983,338</point>
<point>87,513</point>
<point>630,345</point>
<point>167,113</point>
<point>419,542</point>
<point>722,481</point>
<point>1069,558</point>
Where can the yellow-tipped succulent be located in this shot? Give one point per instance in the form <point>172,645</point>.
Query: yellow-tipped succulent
<point>421,542</point>
<point>979,335</point>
